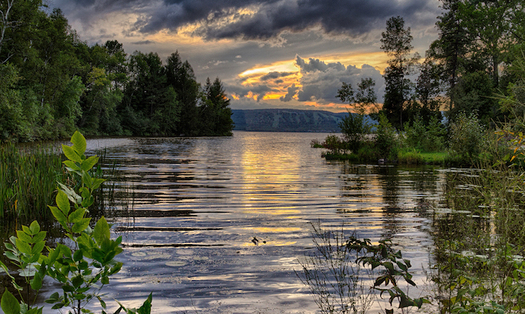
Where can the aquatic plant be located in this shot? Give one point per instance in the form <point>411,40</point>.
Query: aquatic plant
<point>83,267</point>
<point>28,181</point>
<point>340,270</point>
<point>479,245</point>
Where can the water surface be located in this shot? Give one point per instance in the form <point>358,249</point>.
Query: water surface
<point>218,224</point>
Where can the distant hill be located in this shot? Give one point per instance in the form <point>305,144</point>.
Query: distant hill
<point>287,120</point>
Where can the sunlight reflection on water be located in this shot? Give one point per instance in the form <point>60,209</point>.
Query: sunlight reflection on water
<point>218,223</point>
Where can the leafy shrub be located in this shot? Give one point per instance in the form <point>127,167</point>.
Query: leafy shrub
<point>386,139</point>
<point>81,268</point>
<point>354,128</point>
<point>466,137</point>
<point>425,138</point>
<point>334,144</point>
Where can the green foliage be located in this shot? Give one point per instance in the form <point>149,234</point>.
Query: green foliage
<point>479,246</point>
<point>355,128</point>
<point>386,139</point>
<point>84,267</point>
<point>215,114</point>
<point>474,93</point>
<point>396,41</point>
<point>393,266</point>
<point>334,143</point>
<point>337,283</point>
<point>28,182</point>
<point>425,138</point>
<point>337,271</point>
<point>53,83</point>
<point>466,137</point>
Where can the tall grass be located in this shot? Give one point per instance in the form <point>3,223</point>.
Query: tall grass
<point>28,180</point>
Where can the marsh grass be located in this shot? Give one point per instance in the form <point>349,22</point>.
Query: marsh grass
<point>28,181</point>
<point>480,243</point>
<point>337,282</point>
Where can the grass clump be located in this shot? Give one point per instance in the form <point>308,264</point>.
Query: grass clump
<point>28,181</point>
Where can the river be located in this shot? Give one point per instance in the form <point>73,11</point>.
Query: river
<point>218,224</point>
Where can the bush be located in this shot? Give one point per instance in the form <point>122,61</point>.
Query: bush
<point>334,144</point>
<point>386,139</point>
<point>354,128</point>
<point>466,137</point>
<point>425,138</point>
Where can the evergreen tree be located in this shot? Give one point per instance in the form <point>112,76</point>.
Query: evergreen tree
<point>181,78</point>
<point>215,112</point>
<point>396,42</point>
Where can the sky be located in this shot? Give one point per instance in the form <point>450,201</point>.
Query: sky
<point>287,54</point>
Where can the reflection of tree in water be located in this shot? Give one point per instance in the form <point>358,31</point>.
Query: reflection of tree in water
<point>395,191</point>
<point>358,185</point>
<point>389,179</point>
<point>406,190</point>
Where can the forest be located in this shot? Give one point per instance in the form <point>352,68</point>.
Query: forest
<point>53,83</point>
<point>468,85</point>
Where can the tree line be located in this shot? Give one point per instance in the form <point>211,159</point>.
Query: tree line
<point>475,66</point>
<point>53,84</point>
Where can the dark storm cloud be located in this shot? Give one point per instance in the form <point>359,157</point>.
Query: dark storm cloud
<point>266,19</point>
<point>353,17</point>
<point>275,75</point>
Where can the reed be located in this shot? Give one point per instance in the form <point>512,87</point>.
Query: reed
<point>28,181</point>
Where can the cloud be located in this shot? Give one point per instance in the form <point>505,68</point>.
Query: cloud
<point>143,42</point>
<point>292,90</point>
<point>255,20</point>
<point>320,80</point>
<point>274,75</point>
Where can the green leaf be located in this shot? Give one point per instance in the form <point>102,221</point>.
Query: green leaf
<point>88,201</point>
<point>102,303</point>
<point>34,227</point>
<point>97,182</point>
<point>72,165</point>
<point>23,247</point>
<point>77,215</point>
<point>6,270</point>
<point>146,306</point>
<point>12,256</point>
<point>77,256</point>
<point>410,282</point>
<point>71,194</point>
<point>101,231</point>
<point>87,180</point>
<point>68,288</point>
<point>63,202</point>
<point>39,236</point>
<point>77,281</point>
<point>81,225</point>
<point>71,154</point>
<point>36,282</point>
<point>24,236</point>
<point>402,266</point>
<point>87,164</point>
<point>59,215</point>
<point>38,247</point>
<point>9,303</point>
<point>79,143</point>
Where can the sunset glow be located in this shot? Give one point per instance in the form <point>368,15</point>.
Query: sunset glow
<point>267,54</point>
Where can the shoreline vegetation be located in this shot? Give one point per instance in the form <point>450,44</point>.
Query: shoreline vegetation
<point>53,84</point>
